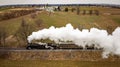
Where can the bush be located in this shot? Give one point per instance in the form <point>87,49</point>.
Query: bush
<point>84,12</point>
<point>15,14</point>
<point>90,12</point>
<point>66,9</point>
<point>23,32</point>
<point>73,9</point>
<point>78,10</point>
<point>59,9</point>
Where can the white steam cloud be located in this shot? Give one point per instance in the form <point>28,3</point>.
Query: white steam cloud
<point>100,38</point>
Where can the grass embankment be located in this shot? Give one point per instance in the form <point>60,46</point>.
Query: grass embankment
<point>57,63</point>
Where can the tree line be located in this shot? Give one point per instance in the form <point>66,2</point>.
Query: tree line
<point>83,12</point>
<point>14,14</point>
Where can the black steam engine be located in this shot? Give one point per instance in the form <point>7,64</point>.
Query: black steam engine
<point>57,46</point>
<point>41,46</point>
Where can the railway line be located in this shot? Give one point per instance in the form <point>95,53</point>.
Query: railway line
<point>24,49</point>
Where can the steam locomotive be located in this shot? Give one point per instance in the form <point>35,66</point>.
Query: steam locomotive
<point>56,46</point>
<point>41,46</point>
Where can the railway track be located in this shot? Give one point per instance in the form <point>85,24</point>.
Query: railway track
<point>24,49</point>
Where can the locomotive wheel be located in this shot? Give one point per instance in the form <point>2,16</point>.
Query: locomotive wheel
<point>29,48</point>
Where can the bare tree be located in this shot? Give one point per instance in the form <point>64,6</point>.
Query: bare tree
<point>78,10</point>
<point>66,9</point>
<point>3,35</point>
<point>59,9</point>
<point>73,9</point>
<point>17,38</point>
<point>84,12</point>
<point>24,31</point>
<point>90,12</point>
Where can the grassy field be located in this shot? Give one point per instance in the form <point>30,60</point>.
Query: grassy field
<point>62,18</point>
<point>57,63</point>
<point>109,17</point>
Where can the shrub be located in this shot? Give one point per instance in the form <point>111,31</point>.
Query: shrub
<point>66,9</point>
<point>84,12</point>
<point>73,9</point>
<point>78,10</point>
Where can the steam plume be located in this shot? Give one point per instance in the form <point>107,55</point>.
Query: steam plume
<point>100,38</point>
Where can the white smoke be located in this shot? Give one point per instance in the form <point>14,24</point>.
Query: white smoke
<point>100,38</point>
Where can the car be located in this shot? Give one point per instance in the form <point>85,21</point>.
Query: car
<point>54,46</point>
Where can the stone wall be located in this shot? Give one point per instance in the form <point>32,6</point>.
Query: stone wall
<point>56,55</point>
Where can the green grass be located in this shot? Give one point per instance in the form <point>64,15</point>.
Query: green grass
<point>62,18</point>
<point>11,25</point>
<point>116,18</point>
<point>57,63</point>
<point>57,19</point>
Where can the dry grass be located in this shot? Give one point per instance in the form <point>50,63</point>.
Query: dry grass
<point>57,63</point>
<point>62,18</point>
<point>59,19</point>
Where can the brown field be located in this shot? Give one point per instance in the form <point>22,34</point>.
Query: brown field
<point>57,63</point>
